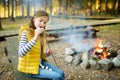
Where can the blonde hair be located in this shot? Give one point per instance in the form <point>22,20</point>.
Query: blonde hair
<point>38,13</point>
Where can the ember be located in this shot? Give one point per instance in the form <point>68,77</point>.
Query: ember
<point>100,51</point>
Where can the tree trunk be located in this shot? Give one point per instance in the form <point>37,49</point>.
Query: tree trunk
<point>12,15</point>
<point>114,6</point>
<point>100,2</point>
<point>28,8</point>
<point>118,7</point>
<point>0,23</point>
<point>4,3</point>
<point>46,4</point>
<point>65,9</point>
<point>50,4</point>
<point>34,5</point>
<point>106,6</point>
<point>60,3</point>
<point>91,12</point>
<point>22,2</point>
<point>8,8</point>
<point>0,16</point>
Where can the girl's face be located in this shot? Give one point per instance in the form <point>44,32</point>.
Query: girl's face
<point>40,22</point>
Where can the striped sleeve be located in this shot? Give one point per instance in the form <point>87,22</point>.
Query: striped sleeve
<point>24,45</point>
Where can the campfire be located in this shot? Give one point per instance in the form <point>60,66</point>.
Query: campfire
<point>101,51</point>
<point>97,57</point>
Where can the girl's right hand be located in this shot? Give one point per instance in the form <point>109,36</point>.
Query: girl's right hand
<point>38,31</point>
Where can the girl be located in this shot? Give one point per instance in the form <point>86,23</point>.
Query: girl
<point>31,53</point>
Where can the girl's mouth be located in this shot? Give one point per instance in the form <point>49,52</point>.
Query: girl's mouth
<point>40,27</point>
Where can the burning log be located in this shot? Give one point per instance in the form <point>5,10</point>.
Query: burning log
<point>102,52</point>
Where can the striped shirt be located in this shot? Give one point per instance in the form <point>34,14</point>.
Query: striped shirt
<point>25,46</point>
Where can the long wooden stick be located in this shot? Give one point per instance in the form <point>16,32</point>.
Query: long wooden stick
<point>52,54</point>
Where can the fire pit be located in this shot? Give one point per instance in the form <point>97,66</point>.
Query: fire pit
<point>97,57</point>
<point>101,52</point>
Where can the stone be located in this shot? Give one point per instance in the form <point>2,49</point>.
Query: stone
<point>106,64</point>
<point>85,64</point>
<point>116,61</point>
<point>69,59</point>
<point>69,51</point>
<point>77,60</point>
<point>94,64</point>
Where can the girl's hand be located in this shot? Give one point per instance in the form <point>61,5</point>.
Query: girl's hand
<point>38,31</point>
<point>49,52</point>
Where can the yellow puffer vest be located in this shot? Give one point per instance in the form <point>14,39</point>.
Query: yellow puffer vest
<point>31,61</point>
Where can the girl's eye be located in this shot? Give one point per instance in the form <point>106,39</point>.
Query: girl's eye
<point>40,20</point>
<point>44,22</point>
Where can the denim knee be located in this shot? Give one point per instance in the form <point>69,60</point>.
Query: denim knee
<point>62,73</point>
<point>58,77</point>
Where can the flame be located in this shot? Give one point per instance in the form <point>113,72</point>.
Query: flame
<point>100,49</point>
<point>99,43</point>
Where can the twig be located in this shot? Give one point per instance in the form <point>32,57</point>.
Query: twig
<point>52,54</point>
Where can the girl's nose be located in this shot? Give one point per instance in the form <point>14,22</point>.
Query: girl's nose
<point>42,23</point>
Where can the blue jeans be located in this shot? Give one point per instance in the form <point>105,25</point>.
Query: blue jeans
<point>55,74</point>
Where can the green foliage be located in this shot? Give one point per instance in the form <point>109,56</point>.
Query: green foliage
<point>110,29</point>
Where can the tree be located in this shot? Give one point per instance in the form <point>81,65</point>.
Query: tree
<point>114,6</point>
<point>8,8</point>
<point>22,4</point>
<point>0,23</point>
<point>12,15</point>
<point>65,8</point>
<point>60,4</point>
<point>28,8</point>
<point>91,2</point>
<point>4,5</point>
<point>50,4</point>
<point>118,10</point>
<point>100,3</point>
<point>0,16</point>
<point>34,5</point>
<point>106,6</point>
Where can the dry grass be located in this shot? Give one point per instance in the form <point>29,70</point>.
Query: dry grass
<point>9,24</point>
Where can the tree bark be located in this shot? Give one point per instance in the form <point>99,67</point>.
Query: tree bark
<point>50,4</point>
<point>118,7</point>
<point>28,8</point>
<point>106,6</point>
<point>0,23</point>
<point>8,8</point>
<point>91,12</point>
<point>65,9</point>
<point>60,3</point>
<point>22,3</point>
<point>12,15</point>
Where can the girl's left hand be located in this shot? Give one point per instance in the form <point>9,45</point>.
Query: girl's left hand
<point>49,52</point>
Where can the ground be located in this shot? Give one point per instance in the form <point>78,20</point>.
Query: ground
<point>71,72</point>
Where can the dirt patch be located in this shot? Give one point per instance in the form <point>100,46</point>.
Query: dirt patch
<point>6,68</point>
